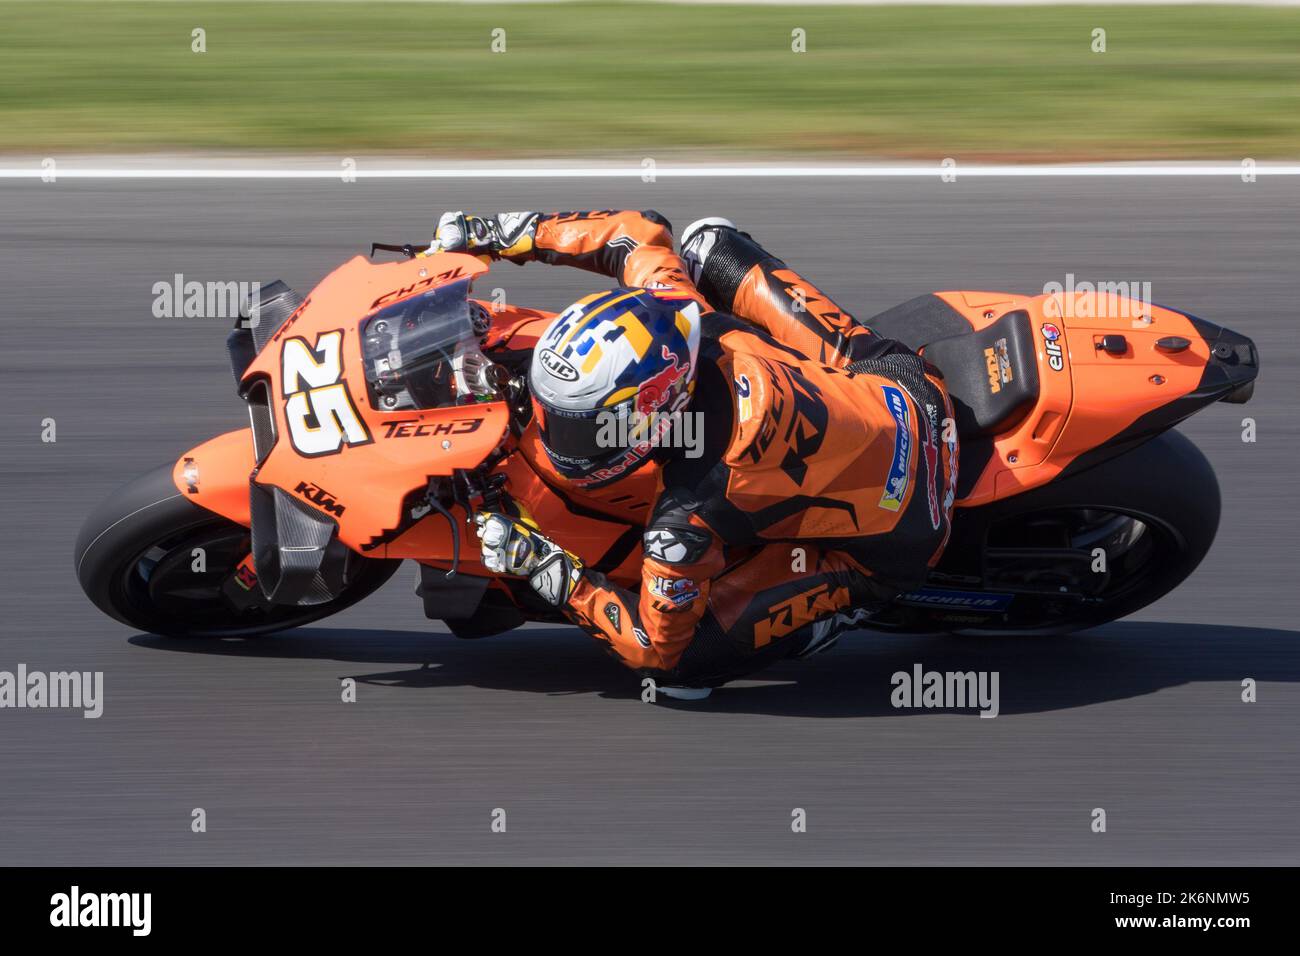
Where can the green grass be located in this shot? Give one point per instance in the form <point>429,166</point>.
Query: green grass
<point>627,81</point>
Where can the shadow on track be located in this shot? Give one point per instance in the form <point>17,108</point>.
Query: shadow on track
<point>1127,659</point>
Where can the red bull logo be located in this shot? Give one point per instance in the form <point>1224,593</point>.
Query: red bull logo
<point>656,391</point>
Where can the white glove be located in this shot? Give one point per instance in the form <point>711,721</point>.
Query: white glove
<point>515,547</point>
<point>508,235</point>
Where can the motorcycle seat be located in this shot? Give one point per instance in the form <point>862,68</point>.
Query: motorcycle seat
<point>991,375</point>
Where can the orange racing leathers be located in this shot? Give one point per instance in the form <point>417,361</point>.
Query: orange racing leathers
<point>825,482</point>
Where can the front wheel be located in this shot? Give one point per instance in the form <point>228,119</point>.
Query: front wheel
<point>155,561</point>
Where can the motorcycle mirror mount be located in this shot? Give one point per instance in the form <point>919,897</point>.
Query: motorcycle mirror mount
<point>408,249</point>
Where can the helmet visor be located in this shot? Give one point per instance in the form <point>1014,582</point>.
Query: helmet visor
<point>603,440</point>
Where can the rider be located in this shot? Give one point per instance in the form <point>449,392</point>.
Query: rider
<point>825,480</point>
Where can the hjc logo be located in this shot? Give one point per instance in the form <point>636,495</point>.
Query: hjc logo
<point>319,497</point>
<point>790,615</point>
<point>319,409</point>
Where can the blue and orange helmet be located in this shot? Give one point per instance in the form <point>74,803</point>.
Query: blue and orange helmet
<point>609,377</point>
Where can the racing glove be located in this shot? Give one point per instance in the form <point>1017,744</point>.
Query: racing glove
<point>515,546</point>
<point>507,235</point>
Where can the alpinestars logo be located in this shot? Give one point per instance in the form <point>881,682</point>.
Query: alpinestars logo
<point>674,546</point>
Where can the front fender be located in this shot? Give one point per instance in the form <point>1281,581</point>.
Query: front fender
<point>214,475</point>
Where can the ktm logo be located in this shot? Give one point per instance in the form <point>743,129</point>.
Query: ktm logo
<point>319,497</point>
<point>998,360</point>
<point>790,615</point>
<point>995,380</point>
<point>319,409</point>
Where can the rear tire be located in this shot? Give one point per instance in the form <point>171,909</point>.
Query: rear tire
<point>133,560</point>
<point>1162,503</point>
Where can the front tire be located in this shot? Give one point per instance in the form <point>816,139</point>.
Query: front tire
<point>135,561</point>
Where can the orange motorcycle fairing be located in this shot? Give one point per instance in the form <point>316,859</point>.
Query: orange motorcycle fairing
<point>602,526</point>
<point>329,446</point>
<point>1102,364</point>
<point>214,475</point>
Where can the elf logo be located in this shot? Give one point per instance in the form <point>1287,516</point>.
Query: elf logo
<point>1055,356</point>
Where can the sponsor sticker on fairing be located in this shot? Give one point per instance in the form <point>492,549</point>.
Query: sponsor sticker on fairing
<point>895,490</point>
<point>1055,355</point>
<point>998,362</point>
<point>988,601</point>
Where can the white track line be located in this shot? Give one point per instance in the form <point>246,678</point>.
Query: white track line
<point>1235,170</point>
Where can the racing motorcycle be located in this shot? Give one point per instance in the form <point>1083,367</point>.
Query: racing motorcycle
<point>388,406</point>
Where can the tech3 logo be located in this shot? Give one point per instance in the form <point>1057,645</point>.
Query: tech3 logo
<point>318,408</point>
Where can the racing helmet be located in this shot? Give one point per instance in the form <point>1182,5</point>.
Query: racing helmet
<point>609,379</point>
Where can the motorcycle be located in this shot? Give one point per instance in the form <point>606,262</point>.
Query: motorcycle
<point>387,407</point>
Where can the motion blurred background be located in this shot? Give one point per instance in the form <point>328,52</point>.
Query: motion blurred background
<point>1143,718</point>
<point>652,79</point>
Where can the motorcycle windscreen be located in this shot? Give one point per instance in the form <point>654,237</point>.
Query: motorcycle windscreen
<point>415,349</point>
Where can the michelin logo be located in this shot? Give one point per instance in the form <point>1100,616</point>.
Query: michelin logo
<point>891,499</point>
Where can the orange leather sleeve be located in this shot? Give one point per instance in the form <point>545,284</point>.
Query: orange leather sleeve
<point>796,313</point>
<point>652,631</point>
<point>636,248</point>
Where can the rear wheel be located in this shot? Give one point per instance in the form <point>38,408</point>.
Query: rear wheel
<point>155,561</point>
<point>1086,549</point>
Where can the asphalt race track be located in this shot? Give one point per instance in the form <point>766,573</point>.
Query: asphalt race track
<point>1142,718</point>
